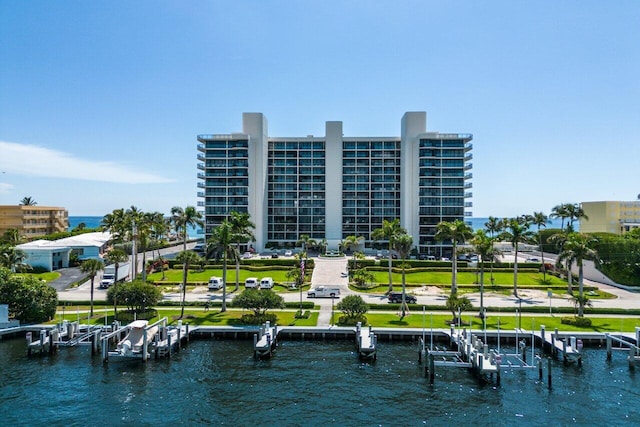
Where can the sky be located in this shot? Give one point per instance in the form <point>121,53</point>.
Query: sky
<point>101,102</point>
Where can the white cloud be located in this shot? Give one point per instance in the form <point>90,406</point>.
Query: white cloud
<point>5,188</point>
<point>32,160</point>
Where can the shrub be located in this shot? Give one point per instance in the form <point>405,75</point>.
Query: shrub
<point>352,320</point>
<point>252,319</point>
<point>303,315</point>
<point>581,322</point>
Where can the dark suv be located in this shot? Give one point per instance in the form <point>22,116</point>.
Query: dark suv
<point>396,297</point>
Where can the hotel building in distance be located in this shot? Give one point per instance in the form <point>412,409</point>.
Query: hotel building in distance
<point>330,187</point>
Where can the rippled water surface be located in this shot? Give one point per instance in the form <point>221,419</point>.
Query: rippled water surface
<point>305,383</point>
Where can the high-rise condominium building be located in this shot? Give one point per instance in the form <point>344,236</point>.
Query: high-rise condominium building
<point>330,187</point>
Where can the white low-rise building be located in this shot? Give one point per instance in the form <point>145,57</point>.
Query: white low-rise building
<point>55,254</point>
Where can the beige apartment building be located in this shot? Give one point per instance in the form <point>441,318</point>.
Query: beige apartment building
<point>610,216</point>
<point>33,221</point>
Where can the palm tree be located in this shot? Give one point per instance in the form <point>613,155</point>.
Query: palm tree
<point>560,211</point>
<point>516,232</point>
<point>559,239</point>
<point>12,258</point>
<point>222,243</point>
<point>115,223</point>
<point>539,219</point>
<point>241,228</point>
<point>91,267</point>
<point>402,245</point>
<point>574,213</point>
<point>115,257</point>
<point>494,226</point>
<point>159,228</point>
<point>389,231</point>
<point>455,232</point>
<point>182,219</point>
<point>28,201</point>
<point>307,242</point>
<point>577,248</point>
<point>186,258</point>
<point>352,242</point>
<point>483,246</point>
<point>11,237</point>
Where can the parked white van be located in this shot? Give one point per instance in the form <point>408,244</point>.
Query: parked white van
<point>251,283</point>
<point>215,283</point>
<point>266,283</point>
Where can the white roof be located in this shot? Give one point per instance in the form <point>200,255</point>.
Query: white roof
<point>88,239</point>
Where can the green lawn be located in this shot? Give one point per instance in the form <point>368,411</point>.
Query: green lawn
<point>444,278</point>
<point>48,276</point>
<point>194,316</point>
<point>441,320</point>
<point>203,276</point>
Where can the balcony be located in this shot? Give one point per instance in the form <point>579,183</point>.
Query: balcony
<point>200,157</point>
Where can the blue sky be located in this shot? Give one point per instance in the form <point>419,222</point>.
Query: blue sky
<point>101,101</point>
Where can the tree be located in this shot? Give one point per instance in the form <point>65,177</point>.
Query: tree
<point>494,226</point>
<point>457,304</point>
<point>353,307</point>
<point>115,224</point>
<point>182,219</point>
<point>12,258</point>
<point>455,232</point>
<point>389,231</point>
<point>575,213</point>
<point>11,237</point>
<point>561,211</point>
<point>137,296</point>
<point>307,242</point>
<point>577,248</point>
<point>186,258</point>
<point>516,232</point>
<point>29,299</point>
<point>352,242</point>
<point>91,267</point>
<point>222,243</point>
<point>483,246</point>
<point>259,301</point>
<point>242,230</point>
<point>402,246</point>
<point>539,219</point>
<point>116,256</point>
<point>159,228</point>
<point>28,201</point>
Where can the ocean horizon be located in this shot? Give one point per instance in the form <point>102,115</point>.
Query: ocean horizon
<point>92,221</point>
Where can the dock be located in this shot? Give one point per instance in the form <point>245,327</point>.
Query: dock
<point>366,342</point>
<point>264,342</point>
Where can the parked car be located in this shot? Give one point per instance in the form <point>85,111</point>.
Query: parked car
<point>251,283</point>
<point>533,259</point>
<point>266,283</point>
<point>323,291</point>
<point>396,297</point>
<point>288,253</point>
<point>215,283</point>
<point>199,248</point>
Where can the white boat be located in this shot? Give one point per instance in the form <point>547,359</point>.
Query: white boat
<point>139,340</point>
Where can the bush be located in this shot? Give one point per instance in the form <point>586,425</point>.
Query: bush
<point>581,322</point>
<point>252,319</point>
<point>352,320</point>
<point>302,315</point>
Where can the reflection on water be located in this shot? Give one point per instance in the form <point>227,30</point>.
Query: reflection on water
<point>305,383</point>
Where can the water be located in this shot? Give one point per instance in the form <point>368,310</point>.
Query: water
<point>95,221</point>
<point>305,383</point>
<point>478,223</point>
